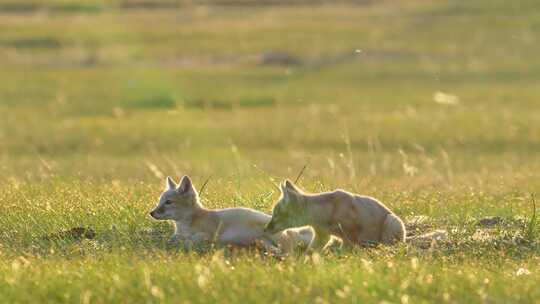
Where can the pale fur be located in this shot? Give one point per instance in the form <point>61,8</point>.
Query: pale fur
<point>393,229</point>
<point>293,239</point>
<point>355,219</point>
<point>229,226</point>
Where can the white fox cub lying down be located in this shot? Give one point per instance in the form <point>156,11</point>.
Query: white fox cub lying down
<point>355,219</point>
<point>230,226</point>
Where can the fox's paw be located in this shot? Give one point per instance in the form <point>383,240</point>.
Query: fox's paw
<point>334,245</point>
<point>268,246</point>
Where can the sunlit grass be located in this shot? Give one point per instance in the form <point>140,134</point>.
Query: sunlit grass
<point>428,106</point>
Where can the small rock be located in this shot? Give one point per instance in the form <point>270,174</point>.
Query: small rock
<point>523,271</point>
<point>428,240</point>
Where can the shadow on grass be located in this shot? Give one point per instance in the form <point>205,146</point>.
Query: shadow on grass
<point>245,102</point>
<point>32,43</point>
<point>32,7</point>
<point>153,102</point>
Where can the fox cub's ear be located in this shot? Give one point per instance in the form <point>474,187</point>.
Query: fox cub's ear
<point>170,184</point>
<point>185,185</point>
<point>291,187</point>
<point>284,192</point>
<point>289,190</point>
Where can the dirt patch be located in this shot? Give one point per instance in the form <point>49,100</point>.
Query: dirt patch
<point>246,102</point>
<point>279,58</point>
<point>76,233</point>
<point>490,221</point>
<point>416,225</point>
<point>33,43</point>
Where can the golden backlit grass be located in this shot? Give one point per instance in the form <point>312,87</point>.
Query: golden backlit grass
<point>429,106</point>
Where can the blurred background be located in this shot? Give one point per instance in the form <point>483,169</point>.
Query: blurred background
<point>428,92</point>
<point>431,106</point>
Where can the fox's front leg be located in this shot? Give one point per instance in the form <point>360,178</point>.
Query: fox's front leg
<point>322,236</point>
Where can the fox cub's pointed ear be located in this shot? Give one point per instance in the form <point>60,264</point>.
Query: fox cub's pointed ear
<point>291,187</point>
<point>284,191</point>
<point>170,184</point>
<point>185,185</point>
<point>289,190</point>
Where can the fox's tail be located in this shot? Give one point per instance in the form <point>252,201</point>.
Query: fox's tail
<point>393,229</point>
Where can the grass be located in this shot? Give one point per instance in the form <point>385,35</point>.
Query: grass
<point>99,101</point>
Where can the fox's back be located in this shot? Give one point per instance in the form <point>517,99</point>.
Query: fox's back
<point>243,216</point>
<point>368,209</point>
<point>370,206</point>
<point>360,218</point>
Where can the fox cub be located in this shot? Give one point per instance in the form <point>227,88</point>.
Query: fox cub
<point>230,226</point>
<point>355,219</point>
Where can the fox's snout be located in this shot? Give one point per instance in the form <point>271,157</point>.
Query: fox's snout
<point>153,214</point>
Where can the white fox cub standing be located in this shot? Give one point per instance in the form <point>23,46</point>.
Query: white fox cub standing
<point>355,219</point>
<point>230,226</point>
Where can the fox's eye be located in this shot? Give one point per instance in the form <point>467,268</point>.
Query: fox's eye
<point>168,202</point>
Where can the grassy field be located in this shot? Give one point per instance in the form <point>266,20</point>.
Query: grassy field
<point>431,106</point>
